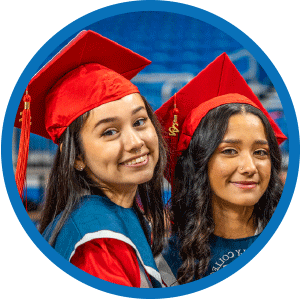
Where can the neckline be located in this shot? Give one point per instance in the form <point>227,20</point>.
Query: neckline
<point>108,201</point>
<point>235,240</point>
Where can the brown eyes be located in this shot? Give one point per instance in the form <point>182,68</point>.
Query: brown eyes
<point>229,151</point>
<point>261,152</point>
<point>232,152</point>
<point>109,132</point>
<point>138,123</point>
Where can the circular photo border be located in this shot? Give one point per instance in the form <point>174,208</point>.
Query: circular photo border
<point>171,7</point>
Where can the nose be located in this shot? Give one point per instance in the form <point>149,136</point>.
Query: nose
<point>247,164</point>
<point>132,140</point>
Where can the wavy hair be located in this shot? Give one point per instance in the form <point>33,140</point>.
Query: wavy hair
<point>66,185</point>
<point>191,208</point>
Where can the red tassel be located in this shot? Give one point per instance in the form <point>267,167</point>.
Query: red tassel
<point>20,175</point>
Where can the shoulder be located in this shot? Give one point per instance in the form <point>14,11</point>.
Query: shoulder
<point>96,217</point>
<point>91,213</point>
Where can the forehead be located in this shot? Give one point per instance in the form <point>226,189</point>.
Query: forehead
<point>118,108</point>
<point>245,125</point>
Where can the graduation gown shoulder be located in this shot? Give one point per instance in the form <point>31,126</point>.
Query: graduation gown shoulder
<point>107,241</point>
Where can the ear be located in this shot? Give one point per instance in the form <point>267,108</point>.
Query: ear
<point>79,165</point>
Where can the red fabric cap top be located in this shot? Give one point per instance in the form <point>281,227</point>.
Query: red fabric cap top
<point>90,71</point>
<point>198,97</point>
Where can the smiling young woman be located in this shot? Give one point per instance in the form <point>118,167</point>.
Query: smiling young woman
<point>239,173</point>
<point>224,171</point>
<point>128,143</point>
<point>241,164</point>
<point>111,154</point>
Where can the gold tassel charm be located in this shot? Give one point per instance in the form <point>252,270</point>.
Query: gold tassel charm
<point>173,130</point>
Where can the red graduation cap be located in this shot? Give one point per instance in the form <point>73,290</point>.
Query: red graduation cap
<point>89,71</point>
<point>219,83</point>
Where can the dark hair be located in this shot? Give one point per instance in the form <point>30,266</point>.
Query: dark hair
<point>66,185</point>
<point>191,205</point>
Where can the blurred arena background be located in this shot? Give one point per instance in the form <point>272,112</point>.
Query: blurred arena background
<point>179,48</point>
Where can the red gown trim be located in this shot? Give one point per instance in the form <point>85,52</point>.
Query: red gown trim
<point>109,259</point>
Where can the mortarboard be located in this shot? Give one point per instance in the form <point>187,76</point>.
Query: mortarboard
<point>219,83</point>
<point>89,71</point>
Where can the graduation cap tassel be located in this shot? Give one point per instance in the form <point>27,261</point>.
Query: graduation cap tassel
<point>174,128</point>
<point>20,175</point>
<point>173,132</point>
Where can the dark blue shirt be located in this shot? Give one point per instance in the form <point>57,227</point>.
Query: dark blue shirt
<point>223,252</point>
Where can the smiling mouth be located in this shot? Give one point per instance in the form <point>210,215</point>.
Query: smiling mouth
<point>246,185</point>
<point>140,161</point>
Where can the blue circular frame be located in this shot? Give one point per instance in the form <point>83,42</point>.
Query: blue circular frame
<point>171,7</point>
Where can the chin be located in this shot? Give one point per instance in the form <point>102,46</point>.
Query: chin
<point>143,178</point>
<point>246,202</point>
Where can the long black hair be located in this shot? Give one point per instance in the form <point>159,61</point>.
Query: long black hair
<point>66,185</point>
<point>191,201</point>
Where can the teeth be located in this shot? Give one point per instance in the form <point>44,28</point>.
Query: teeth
<point>136,161</point>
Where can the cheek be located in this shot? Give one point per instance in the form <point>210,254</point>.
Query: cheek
<point>217,169</point>
<point>219,174</point>
<point>265,171</point>
<point>214,173</point>
<point>97,154</point>
<point>151,139</point>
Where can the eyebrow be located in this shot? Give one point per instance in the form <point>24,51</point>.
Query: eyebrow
<point>138,109</point>
<point>237,141</point>
<point>113,119</point>
<point>107,120</point>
